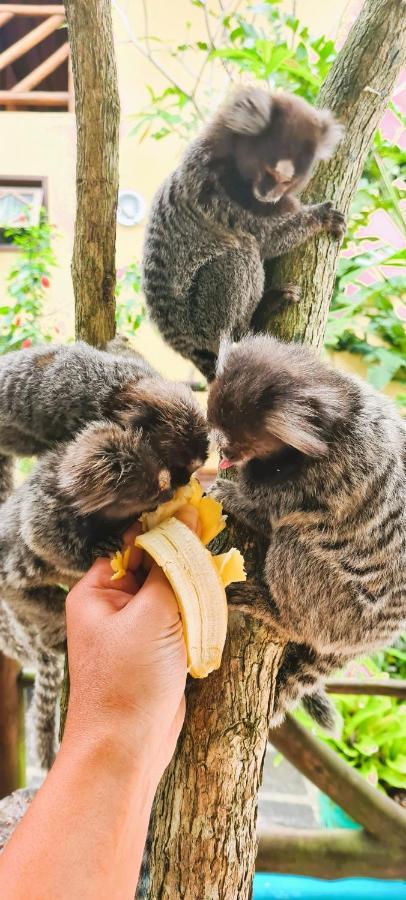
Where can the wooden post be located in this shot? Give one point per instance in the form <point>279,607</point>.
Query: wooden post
<point>10,726</point>
<point>29,40</point>
<point>335,853</point>
<point>379,815</point>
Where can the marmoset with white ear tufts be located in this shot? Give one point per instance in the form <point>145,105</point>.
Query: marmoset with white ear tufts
<point>229,206</point>
<point>321,462</point>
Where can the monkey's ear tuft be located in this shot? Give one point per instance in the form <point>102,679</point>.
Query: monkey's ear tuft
<point>331,133</point>
<point>247,111</point>
<point>226,345</point>
<point>164,480</point>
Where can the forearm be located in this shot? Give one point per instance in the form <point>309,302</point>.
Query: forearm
<point>85,832</point>
<point>293,231</point>
<point>302,225</point>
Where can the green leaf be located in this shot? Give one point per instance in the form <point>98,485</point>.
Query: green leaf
<point>394,779</point>
<point>366,746</point>
<point>296,68</point>
<point>398,764</point>
<point>381,372</point>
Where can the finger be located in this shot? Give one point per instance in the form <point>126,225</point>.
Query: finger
<point>99,577</point>
<point>136,555</point>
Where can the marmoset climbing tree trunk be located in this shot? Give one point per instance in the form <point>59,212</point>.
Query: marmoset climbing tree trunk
<point>203,826</point>
<point>97,107</point>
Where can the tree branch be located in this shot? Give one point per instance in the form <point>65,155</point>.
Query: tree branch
<point>336,853</point>
<point>148,55</point>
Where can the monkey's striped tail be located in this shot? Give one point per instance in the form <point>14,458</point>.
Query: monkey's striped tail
<point>48,680</point>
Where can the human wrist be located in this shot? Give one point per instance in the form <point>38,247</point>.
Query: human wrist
<point>126,751</point>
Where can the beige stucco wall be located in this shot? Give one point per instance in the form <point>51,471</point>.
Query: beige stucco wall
<point>43,144</point>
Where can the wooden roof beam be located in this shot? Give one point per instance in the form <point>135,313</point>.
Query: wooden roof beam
<point>35,98</point>
<point>5,17</point>
<point>20,9</point>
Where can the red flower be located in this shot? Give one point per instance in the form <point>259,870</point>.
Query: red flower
<point>27,343</point>
<point>45,281</point>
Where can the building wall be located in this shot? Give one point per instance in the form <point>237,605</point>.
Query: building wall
<point>43,144</point>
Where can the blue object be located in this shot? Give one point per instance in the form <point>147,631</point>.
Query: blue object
<point>296,887</point>
<point>332,816</point>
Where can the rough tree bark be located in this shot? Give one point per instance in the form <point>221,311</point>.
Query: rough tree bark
<point>203,824</point>
<point>97,116</point>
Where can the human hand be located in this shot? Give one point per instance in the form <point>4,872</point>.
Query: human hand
<point>127,658</point>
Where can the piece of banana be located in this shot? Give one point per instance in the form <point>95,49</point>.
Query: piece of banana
<point>197,578</point>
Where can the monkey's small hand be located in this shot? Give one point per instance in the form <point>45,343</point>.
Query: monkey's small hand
<point>226,492</point>
<point>289,293</point>
<point>332,220</point>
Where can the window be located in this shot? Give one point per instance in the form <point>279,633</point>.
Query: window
<point>21,201</point>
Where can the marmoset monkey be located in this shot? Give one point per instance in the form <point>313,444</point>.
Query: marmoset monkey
<point>145,438</point>
<point>320,457</point>
<point>231,204</point>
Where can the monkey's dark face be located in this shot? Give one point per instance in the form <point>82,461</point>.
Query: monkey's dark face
<point>114,472</point>
<point>268,396</point>
<point>273,141</point>
<point>280,160</point>
<point>175,425</point>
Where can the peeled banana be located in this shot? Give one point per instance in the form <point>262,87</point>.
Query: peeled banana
<point>197,578</point>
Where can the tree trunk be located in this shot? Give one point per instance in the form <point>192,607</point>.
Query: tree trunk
<point>201,848</point>
<point>203,824</point>
<point>97,116</point>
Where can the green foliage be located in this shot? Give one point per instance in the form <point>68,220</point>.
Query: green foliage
<point>373,739</point>
<point>170,112</point>
<point>130,308</point>
<point>392,660</point>
<point>372,321</point>
<point>262,41</point>
<point>27,284</point>
<point>369,323</point>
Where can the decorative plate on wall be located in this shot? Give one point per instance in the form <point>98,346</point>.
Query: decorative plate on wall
<point>130,208</point>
